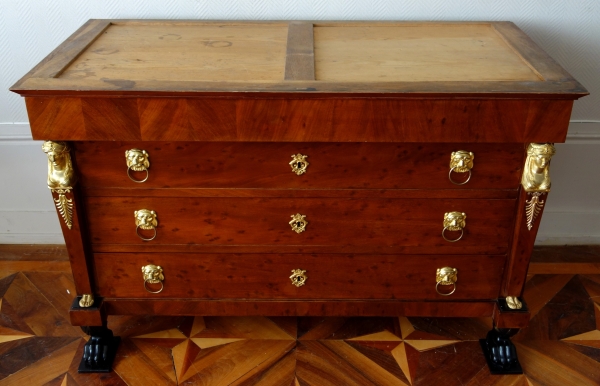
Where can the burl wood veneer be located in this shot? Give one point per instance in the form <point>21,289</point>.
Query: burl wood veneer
<point>220,110</point>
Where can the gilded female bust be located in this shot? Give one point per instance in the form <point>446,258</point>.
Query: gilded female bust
<point>536,175</point>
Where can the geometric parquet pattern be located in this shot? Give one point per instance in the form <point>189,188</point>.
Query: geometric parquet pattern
<point>38,346</point>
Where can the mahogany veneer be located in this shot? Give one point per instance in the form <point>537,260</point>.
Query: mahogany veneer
<point>378,108</point>
<point>361,223</point>
<point>332,165</point>
<point>243,276</point>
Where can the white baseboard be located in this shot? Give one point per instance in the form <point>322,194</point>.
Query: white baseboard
<point>11,131</point>
<point>30,227</point>
<point>32,238</point>
<point>569,228</point>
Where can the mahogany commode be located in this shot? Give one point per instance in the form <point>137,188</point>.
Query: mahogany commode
<point>299,169</point>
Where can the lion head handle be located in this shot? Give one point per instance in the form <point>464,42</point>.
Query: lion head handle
<point>153,273</point>
<point>446,275</point>
<point>455,221</point>
<point>60,168</point>
<point>536,175</point>
<point>137,159</point>
<point>146,219</point>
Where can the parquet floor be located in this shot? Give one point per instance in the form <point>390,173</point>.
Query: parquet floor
<point>38,346</point>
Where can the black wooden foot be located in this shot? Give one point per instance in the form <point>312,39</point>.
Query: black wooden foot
<point>500,353</point>
<point>99,352</point>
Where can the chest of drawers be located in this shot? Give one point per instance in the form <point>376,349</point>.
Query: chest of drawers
<point>299,169</point>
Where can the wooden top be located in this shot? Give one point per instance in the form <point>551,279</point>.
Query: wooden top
<point>198,57</point>
<point>417,53</point>
<point>183,52</point>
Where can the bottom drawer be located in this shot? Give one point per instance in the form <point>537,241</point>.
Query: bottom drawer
<point>267,276</point>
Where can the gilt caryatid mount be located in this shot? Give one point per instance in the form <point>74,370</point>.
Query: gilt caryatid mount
<point>536,178</point>
<point>61,178</point>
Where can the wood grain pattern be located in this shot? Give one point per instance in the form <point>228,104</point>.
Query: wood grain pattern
<point>565,89</point>
<point>56,118</point>
<point>250,276</point>
<point>486,194</point>
<point>522,246</point>
<point>304,308</point>
<point>527,49</point>
<point>250,57</point>
<point>578,318</point>
<point>565,259</point>
<point>78,246</point>
<point>545,261</point>
<point>510,319</point>
<point>57,287</point>
<point>46,368</point>
<point>413,52</point>
<point>300,55</point>
<point>26,252</point>
<point>284,249</point>
<point>579,369</point>
<point>304,119</point>
<point>331,166</point>
<point>63,55</point>
<point>30,306</point>
<point>119,117</point>
<point>217,52</point>
<point>382,223</point>
<point>187,119</point>
<point>541,288</point>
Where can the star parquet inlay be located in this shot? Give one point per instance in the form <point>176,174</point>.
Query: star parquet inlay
<point>38,346</point>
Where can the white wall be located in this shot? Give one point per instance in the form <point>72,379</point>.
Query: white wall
<point>567,30</point>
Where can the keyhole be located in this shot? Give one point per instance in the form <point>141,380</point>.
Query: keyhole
<point>300,164</point>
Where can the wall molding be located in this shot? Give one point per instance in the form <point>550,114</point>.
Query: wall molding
<point>584,132</point>
<point>30,227</point>
<point>569,228</point>
<point>580,131</point>
<point>15,131</point>
<point>32,238</point>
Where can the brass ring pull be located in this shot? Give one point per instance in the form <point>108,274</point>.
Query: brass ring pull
<point>138,161</point>
<point>445,294</point>
<point>458,183</point>
<point>452,241</point>
<point>145,219</point>
<point>454,222</point>
<point>461,161</point>
<point>138,181</point>
<point>153,274</point>
<point>446,276</point>
<point>142,237</point>
<point>162,286</point>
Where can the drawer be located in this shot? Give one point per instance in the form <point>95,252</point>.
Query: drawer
<point>368,224</point>
<point>267,165</point>
<point>253,276</point>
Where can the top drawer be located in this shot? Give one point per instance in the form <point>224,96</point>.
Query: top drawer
<point>329,166</point>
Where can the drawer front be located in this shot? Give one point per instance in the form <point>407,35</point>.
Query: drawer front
<point>267,165</point>
<point>252,276</point>
<point>330,221</point>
